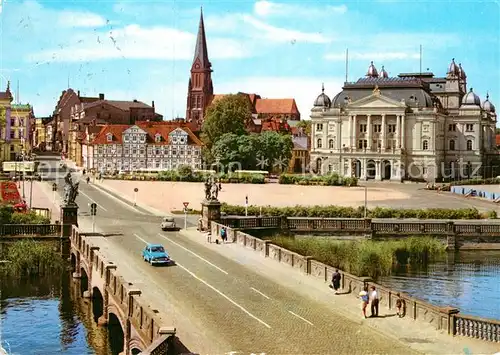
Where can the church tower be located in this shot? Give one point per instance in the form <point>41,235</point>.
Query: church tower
<point>200,88</point>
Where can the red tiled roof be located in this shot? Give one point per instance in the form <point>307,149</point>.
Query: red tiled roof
<point>279,106</point>
<point>152,128</point>
<point>497,138</point>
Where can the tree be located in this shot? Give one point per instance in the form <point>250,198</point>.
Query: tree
<point>305,125</point>
<point>226,115</point>
<point>233,151</point>
<point>273,151</point>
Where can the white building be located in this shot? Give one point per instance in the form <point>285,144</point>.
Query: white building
<point>414,126</point>
<point>148,146</point>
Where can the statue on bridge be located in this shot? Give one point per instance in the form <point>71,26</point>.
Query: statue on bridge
<point>211,189</point>
<point>70,190</point>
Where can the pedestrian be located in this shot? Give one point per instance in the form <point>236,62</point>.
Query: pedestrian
<point>223,234</point>
<point>88,179</point>
<point>400,306</point>
<point>209,237</point>
<point>83,172</point>
<point>374,300</point>
<point>336,277</point>
<point>363,295</point>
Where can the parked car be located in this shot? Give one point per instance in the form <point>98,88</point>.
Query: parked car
<point>155,254</point>
<point>168,223</point>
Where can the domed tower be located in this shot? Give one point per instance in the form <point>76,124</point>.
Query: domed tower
<point>471,99</point>
<point>453,69</point>
<point>372,71</point>
<point>488,106</point>
<point>383,73</point>
<point>452,87</point>
<point>462,77</point>
<point>322,101</point>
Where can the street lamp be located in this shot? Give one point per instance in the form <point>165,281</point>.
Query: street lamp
<point>23,151</point>
<point>54,190</point>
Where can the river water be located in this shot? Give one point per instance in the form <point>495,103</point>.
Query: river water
<point>468,280</point>
<point>47,316</point>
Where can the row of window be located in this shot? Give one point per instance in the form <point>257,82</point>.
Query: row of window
<point>363,144</point>
<point>377,128</point>
<point>18,122</point>
<point>142,138</point>
<point>155,165</point>
<point>157,151</point>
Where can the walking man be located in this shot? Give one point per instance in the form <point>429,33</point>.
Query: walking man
<point>374,301</point>
<point>336,277</point>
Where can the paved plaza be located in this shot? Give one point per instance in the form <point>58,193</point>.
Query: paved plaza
<point>168,196</point>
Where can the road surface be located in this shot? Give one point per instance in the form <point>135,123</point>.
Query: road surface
<point>219,305</point>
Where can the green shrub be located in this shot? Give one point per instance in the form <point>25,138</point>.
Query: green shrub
<point>365,258</point>
<point>27,258</point>
<point>332,179</point>
<point>8,216</point>
<point>186,173</point>
<point>352,212</point>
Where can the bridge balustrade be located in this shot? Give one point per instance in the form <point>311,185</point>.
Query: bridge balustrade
<point>30,229</point>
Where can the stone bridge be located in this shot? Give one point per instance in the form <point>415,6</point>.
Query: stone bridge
<point>134,327</point>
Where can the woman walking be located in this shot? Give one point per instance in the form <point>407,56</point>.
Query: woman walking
<point>363,295</point>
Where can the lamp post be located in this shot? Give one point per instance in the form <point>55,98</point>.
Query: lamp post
<point>24,169</point>
<point>54,190</point>
<point>366,200</point>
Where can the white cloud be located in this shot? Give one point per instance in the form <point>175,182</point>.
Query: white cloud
<point>80,19</point>
<point>278,34</point>
<point>136,42</point>
<point>268,8</point>
<point>372,56</point>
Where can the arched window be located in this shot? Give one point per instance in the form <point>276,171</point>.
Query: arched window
<point>469,144</point>
<point>425,145</point>
<point>331,144</point>
<point>319,143</point>
<point>452,144</point>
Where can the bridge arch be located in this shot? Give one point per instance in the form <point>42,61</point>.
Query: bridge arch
<point>135,351</point>
<point>97,303</point>
<point>84,280</point>
<point>116,334</point>
<point>136,344</point>
<point>73,262</point>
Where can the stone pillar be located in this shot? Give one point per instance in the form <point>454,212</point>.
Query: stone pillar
<point>398,132</point>
<point>210,211</point>
<point>339,135</point>
<point>369,131</point>
<point>69,218</point>
<point>355,131</point>
<point>403,132</point>
<point>350,132</point>
<point>378,168</point>
<point>363,169</point>
<point>128,331</point>
<point>384,129</point>
<point>349,167</point>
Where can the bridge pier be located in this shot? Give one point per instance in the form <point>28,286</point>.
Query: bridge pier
<point>210,211</point>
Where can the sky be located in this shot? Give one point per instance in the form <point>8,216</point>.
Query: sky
<point>144,49</point>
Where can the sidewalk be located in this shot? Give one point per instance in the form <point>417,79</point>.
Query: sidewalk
<point>416,335</point>
<point>43,197</point>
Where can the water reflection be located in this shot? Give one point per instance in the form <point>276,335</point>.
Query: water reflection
<point>48,316</point>
<point>467,280</point>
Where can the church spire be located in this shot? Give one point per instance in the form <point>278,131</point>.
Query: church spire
<point>201,52</point>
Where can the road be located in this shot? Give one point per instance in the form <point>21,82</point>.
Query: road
<point>219,305</point>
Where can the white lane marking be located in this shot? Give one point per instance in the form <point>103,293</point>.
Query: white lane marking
<point>101,190</point>
<point>296,315</point>
<point>223,295</point>
<point>260,293</point>
<point>214,289</point>
<point>142,240</point>
<point>92,200</point>
<point>198,256</point>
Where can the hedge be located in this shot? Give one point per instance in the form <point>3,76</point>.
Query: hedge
<point>9,216</point>
<point>195,177</point>
<point>323,180</point>
<point>489,181</point>
<point>352,212</point>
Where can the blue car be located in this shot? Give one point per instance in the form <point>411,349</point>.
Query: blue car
<point>155,254</point>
